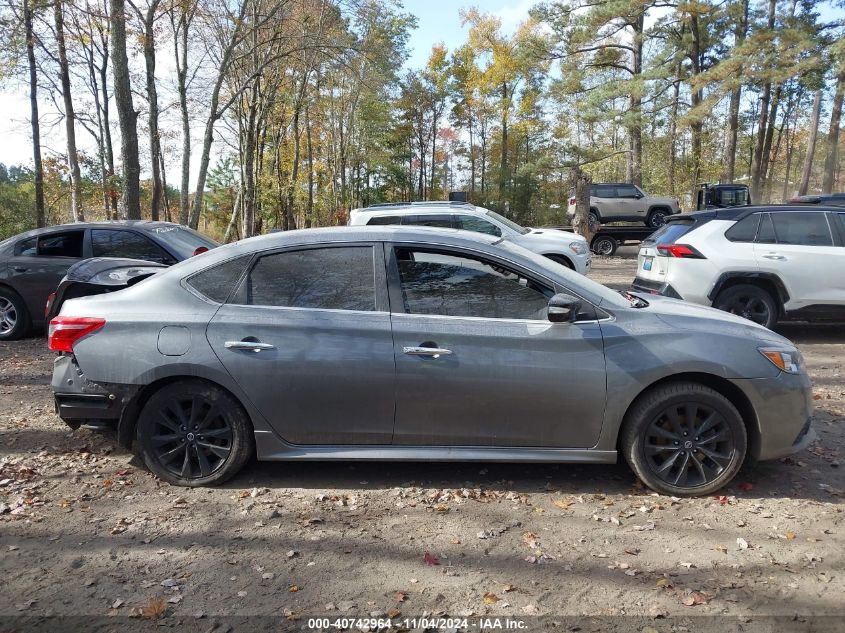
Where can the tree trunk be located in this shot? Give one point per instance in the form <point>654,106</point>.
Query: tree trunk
<point>111,207</point>
<point>181,25</point>
<point>832,157</point>
<point>152,97</point>
<point>503,163</point>
<point>762,125</point>
<point>40,215</point>
<point>309,209</point>
<point>70,117</point>
<point>634,171</point>
<point>765,157</point>
<point>697,96</point>
<point>126,115</point>
<point>811,144</point>
<point>729,172</point>
<point>581,182</point>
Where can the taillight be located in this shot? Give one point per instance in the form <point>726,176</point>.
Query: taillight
<point>199,250</point>
<point>66,330</point>
<point>50,299</point>
<point>572,201</point>
<point>681,251</point>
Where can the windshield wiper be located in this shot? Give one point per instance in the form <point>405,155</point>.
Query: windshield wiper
<point>636,302</point>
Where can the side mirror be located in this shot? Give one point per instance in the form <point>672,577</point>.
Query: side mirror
<point>563,308</point>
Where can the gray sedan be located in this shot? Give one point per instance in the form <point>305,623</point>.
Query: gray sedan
<point>389,343</point>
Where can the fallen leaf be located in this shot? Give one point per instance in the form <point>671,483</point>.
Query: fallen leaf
<point>563,504</point>
<point>154,609</point>
<point>490,598</point>
<point>530,539</point>
<point>430,559</point>
<point>117,604</point>
<point>722,548</point>
<point>742,543</point>
<point>393,612</point>
<point>790,536</point>
<point>508,588</point>
<point>695,598</point>
<point>400,596</point>
<point>293,588</point>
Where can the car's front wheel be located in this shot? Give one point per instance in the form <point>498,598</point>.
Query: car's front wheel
<point>192,433</point>
<point>750,302</point>
<point>14,317</point>
<point>684,439</point>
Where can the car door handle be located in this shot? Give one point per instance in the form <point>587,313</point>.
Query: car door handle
<point>775,256</point>
<point>20,269</point>
<point>433,352</point>
<point>252,346</point>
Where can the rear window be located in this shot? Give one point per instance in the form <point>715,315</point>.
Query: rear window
<point>180,239</point>
<point>671,232</point>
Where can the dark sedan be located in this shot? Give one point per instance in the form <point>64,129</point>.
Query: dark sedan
<point>33,263</point>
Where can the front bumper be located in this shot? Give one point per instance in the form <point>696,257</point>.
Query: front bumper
<point>655,288</point>
<point>79,401</point>
<point>784,407</point>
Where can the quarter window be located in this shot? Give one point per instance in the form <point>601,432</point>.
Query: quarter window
<point>27,247</point>
<point>384,220</point>
<point>332,278</point>
<point>67,244</point>
<point>462,286</point>
<point>807,229</point>
<point>111,243</point>
<point>627,191</point>
<point>745,230</point>
<point>478,225</point>
<point>217,282</point>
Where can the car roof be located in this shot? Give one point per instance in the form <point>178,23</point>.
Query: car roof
<point>614,183</point>
<point>417,207</point>
<point>738,213</point>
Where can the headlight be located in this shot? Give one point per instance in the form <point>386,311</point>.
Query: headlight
<point>579,248</point>
<point>785,359</point>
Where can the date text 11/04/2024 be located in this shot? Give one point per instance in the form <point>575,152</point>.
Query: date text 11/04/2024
<point>414,623</point>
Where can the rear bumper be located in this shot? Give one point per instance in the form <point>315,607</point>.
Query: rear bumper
<point>655,288</point>
<point>79,401</point>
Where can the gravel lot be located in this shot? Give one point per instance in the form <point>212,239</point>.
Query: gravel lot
<point>84,531</point>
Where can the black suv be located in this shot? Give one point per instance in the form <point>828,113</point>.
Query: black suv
<point>33,263</point>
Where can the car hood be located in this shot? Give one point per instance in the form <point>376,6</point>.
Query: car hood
<point>697,318</point>
<point>551,237</point>
<point>672,202</point>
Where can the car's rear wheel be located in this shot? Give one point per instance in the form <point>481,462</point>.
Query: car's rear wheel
<point>604,245</point>
<point>594,220</point>
<point>657,218</point>
<point>14,317</point>
<point>684,439</point>
<point>192,433</point>
<point>750,302</point>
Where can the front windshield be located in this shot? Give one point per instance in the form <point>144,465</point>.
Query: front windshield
<point>603,295</point>
<point>513,226</point>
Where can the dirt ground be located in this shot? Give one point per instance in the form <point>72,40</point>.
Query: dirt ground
<point>86,532</point>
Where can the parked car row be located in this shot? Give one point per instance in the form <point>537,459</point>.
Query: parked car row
<point>441,332</point>
<point>33,263</point>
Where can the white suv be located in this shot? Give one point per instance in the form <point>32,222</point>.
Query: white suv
<point>566,248</point>
<point>762,263</point>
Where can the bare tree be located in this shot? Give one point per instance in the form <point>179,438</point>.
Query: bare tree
<point>832,157</point>
<point>40,218</point>
<point>70,118</point>
<point>811,144</point>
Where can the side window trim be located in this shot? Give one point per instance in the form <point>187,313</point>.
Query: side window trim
<point>379,276</point>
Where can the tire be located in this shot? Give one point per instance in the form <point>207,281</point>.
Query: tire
<point>218,446</point>
<point>15,321</point>
<point>562,260</point>
<point>697,464</point>
<point>604,245</point>
<point>594,219</point>
<point>750,302</point>
<point>657,218</point>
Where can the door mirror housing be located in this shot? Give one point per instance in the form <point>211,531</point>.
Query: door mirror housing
<point>563,308</point>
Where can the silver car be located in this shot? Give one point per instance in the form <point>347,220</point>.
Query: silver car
<point>390,343</point>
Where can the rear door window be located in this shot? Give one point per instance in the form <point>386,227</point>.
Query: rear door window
<point>67,244</point>
<point>330,278</point>
<point>804,229</point>
<point>118,243</point>
<point>605,191</point>
<point>745,230</point>
<point>27,247</point>
<point>439,220</point>
<point>766,231</point>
